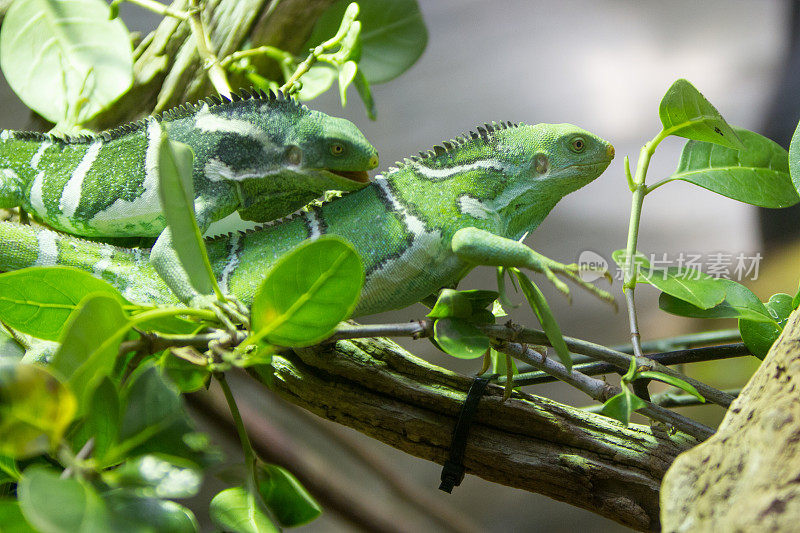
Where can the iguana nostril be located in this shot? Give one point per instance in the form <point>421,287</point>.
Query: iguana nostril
<point>373,162</point>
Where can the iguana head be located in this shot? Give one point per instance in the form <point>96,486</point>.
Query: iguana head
<point>334,150</point>
<point>542,164</point>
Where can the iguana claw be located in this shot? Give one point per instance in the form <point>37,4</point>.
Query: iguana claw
<point>230,312</point>
<point>572,272</point>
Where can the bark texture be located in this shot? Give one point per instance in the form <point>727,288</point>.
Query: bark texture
<point>529,442</point>
<point>747,476</point>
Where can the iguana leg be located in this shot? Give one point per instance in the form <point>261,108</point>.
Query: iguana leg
<point>479,247</point>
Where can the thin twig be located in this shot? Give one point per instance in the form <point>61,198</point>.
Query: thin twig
<point>680,342</point>
<point>601,391</point>
<point>216,73</point>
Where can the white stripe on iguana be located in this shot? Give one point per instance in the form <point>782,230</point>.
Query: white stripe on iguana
<point>473,207</point>
<point>48,248</point>
<point>413,224</point>
<point>216,170</point>
<point>5,135</point>
<point>313,224</point>
<point>148,202</point>
<point>442,173</point>
<point>231,264</point>
<point>106,254</point>
<point>208,121</point>
<point>36,197</point>
<point>39,153</point>
<point>71,195</point>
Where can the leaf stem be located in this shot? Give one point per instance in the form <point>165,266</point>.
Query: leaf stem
<point>160,9</point>
<point>202,40</point>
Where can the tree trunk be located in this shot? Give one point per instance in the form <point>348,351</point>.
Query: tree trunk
<point>528,442</point>
<point>747,476</point>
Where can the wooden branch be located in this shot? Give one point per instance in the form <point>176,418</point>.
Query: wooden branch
<point>745,477</point>
<point>587,460</point>
<point>167,68</point>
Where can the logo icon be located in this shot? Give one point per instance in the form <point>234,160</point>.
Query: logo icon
<point>594,263</point>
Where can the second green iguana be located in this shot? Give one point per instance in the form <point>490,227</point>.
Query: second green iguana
<point>417,228</point>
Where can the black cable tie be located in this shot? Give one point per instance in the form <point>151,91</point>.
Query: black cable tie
<point>453,470</point>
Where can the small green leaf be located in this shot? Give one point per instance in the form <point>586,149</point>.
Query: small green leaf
<point>621,406</point>
<point>686,113</point>
<point>739,302</point>
<point>38,300</point>
<point>66,60</point>
<point>308,292</point>
<point>8,469</point>
<point>757,174</point>
<point>459,338</point>
<point>90,345</point>
<point>55,505</point>
<point>346,74</point>
<point>187,376</point>
<point>672,380</point>
<point>290,502</point>
<point>35,410</point>
<point>316,81</point>
<point>760,336</point>
<point>451,303</point>
<point>692,286</point>
<point>794,159</point>
<point>545,316</point>
<point>236,509</point>
<point>129,512</point>
<point>11,518</point>
<point>157,476</point>
<point>365,93</point>
<point>393,35</point>
<point>176,191</point>
<point>499,361</point>
<point>101,421</point>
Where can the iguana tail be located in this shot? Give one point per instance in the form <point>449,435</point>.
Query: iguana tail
<point>10,189</point>
<point>127,269</point>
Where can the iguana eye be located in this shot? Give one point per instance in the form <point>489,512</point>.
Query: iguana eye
<point>337,148</point>
<point>577,145</point>
<point>542,164</point>
<point>294,156</point>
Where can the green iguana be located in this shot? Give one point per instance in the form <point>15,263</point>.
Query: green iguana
<point>418,227</point>
<point>261,154</point>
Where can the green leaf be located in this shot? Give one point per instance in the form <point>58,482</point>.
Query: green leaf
<point>157,476</point>
<point>459,338</point>
<point>760,336</point>
<point>132,513</point>
<point>177,200</point>
<point>689,285</point>
<point>365,93</point>
<point>316,81</point>
<point>8,469</point>
<point>289,501</point>
<point>308,292</point>
<point>101,421</point>
<point>35,410</point>
<point>38,300</point>
<point>739,302</point>
<point>686,113</point>
<point>66,60</point>
<point>187,376</point>
<point>757,174</point>
<point>11,518</point>
<point>346,74</point>
<point>672,380</point>
<point>794,159</point>
<point>499,363</point>
<point>55,505</point>
<point>451,303</point>
<point>90,345</point>
<point>393,35</point>
<point>236,509</point>
<point>545,316</point>
<point>621,406</point>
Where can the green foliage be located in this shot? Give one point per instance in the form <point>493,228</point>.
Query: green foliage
<point>456,314</point>
<point>686,113</point>
<point>157,476</point>
<point>288,500</point>
<point>759,336</point>
<point>66,60</point>
<point>177,200</point>
<point>307,293</point>
<point>237,509</point>
<point>758,174</point>
<point>38,300</point>
<point>459,338</point>
<point>671,380</point>
<point>101,422</point>
<point>621,406</point>
<point>90,344</point>
<point>739,302</point>
<point>35,411</point>
<point>393,35</point>
<point>794,159</point>
<point>12,519</point>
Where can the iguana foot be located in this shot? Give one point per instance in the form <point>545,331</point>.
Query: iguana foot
<point>230,312</point>
<point>550,268</point>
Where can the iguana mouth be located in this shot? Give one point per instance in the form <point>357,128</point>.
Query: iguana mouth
<point>360,176</point>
